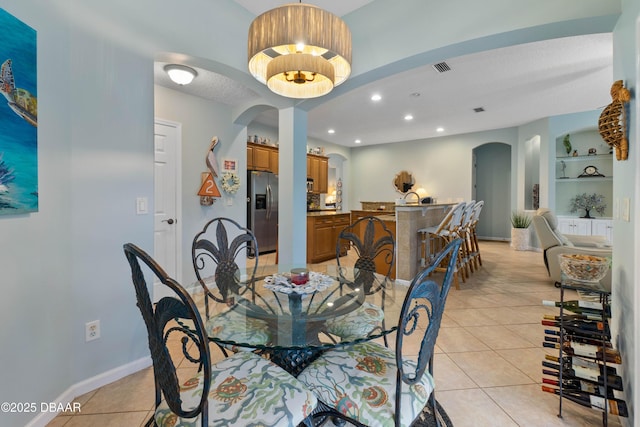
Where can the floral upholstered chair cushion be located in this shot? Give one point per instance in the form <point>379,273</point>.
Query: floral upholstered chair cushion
<point>357,324</point>
<point>360,382</point>
<point>231,326</point>
<point>246,390</point>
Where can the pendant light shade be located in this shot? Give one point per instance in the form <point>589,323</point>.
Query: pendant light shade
<point>299,50</point>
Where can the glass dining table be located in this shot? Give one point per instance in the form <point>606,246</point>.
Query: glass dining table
<point>292,324</point>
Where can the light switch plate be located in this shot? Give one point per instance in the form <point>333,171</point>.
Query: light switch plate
<point>142,206</point>
<point>626,209</point>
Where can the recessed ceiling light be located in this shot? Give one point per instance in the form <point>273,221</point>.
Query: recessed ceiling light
<point>331,131</point>
<point>441,129</point>
<point>408,117</point>
<point>376,97</point>
<point>357,141</point>
<point>415,94</point>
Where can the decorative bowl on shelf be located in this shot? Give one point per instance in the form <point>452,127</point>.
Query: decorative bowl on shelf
<point>584,268</point>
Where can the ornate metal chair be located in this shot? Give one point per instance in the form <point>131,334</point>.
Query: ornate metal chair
<point>374,247</point>
<point>236,391</point>
<point>214,252</point>
<point>366,382</point>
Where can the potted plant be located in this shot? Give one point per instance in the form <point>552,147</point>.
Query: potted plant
<point>520,223</point>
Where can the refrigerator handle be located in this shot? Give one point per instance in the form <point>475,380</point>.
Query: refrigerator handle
<point>269,201</point>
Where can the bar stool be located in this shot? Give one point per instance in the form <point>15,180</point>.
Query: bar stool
<point>464,233</point>
<point>435,238</point>
<point>473,236</point>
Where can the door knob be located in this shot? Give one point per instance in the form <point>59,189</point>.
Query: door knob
<point>169,221</point>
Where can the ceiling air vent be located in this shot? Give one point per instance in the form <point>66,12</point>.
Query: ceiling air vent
<point>478,109</point>
<point>441,67</point>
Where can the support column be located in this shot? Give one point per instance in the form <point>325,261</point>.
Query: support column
<point>292,204</point>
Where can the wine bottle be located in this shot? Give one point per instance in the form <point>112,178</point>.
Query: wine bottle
<point>586,384</point>
<point>587,350</point>
<point>574,305</point>
<point>611,405</point>
<point>575,338</point>
<point>581,316</point>
<point>570,361</point>
<point>579,372</point>
<point>588,327</point>
<point>582,385</point>
<point>556,339</point>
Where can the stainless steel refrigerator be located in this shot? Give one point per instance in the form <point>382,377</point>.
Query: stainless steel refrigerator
<point>262,209</point>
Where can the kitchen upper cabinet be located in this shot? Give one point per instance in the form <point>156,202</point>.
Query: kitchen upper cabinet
<point>323,176</point>
<point>273,161</point>
<point>262,158</point>
<point>249,157</point>
<point>265,158</point>
<point>318,170</point>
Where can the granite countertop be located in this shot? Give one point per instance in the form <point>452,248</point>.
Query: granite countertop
<point>327,212</point>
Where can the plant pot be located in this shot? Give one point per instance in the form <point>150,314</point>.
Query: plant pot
<point>520,238</point>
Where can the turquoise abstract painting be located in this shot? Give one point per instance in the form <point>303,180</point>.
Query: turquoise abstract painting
<point>18,117</point>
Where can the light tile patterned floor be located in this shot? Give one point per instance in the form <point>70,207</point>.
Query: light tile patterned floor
<point>487,364</point>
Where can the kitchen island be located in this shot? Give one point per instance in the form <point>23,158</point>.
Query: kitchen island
<point>404,221</point>
<point>409,219</point>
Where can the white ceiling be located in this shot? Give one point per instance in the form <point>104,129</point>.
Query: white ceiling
<point>515,85</point>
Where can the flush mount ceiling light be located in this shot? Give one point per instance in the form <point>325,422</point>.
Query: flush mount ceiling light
<point>299,50</point>
<point>180,74</point>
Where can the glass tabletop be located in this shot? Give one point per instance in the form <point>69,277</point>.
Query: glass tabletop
<point>334,307</point>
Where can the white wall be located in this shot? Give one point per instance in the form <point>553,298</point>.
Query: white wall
<point>201,120</point>
<point>625,273</point>
<point>442,166</point>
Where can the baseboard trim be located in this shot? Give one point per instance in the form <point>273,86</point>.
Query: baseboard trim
<point>90,384</point>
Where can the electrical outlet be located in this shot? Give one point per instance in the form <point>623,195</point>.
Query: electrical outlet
<point>92,330</point>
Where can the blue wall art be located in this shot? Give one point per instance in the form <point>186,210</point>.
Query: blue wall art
<point>18,117</point>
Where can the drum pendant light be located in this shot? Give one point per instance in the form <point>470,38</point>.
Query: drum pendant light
<point>299,50</point>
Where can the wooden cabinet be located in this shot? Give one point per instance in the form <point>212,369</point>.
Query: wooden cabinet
<point>323,176</point>
<point>318,170</point>
<point>322,236</point>
<point>262,158</point>
<point>273,161</point>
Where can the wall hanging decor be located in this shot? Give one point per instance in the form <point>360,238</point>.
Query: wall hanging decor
<point>18,117</point>
<point>208,189</point>
<point>613,121</point>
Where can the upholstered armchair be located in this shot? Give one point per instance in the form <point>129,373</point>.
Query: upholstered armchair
<point>554,243</point>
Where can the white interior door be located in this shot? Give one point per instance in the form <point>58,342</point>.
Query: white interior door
<point>167,225</point>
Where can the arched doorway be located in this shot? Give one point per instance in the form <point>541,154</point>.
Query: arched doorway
<point>492,183</point>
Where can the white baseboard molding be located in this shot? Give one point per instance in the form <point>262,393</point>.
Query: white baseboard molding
<point>90,384</point>
<point>498,239</point>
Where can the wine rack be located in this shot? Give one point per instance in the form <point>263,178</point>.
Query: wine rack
<point>585,364</point>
